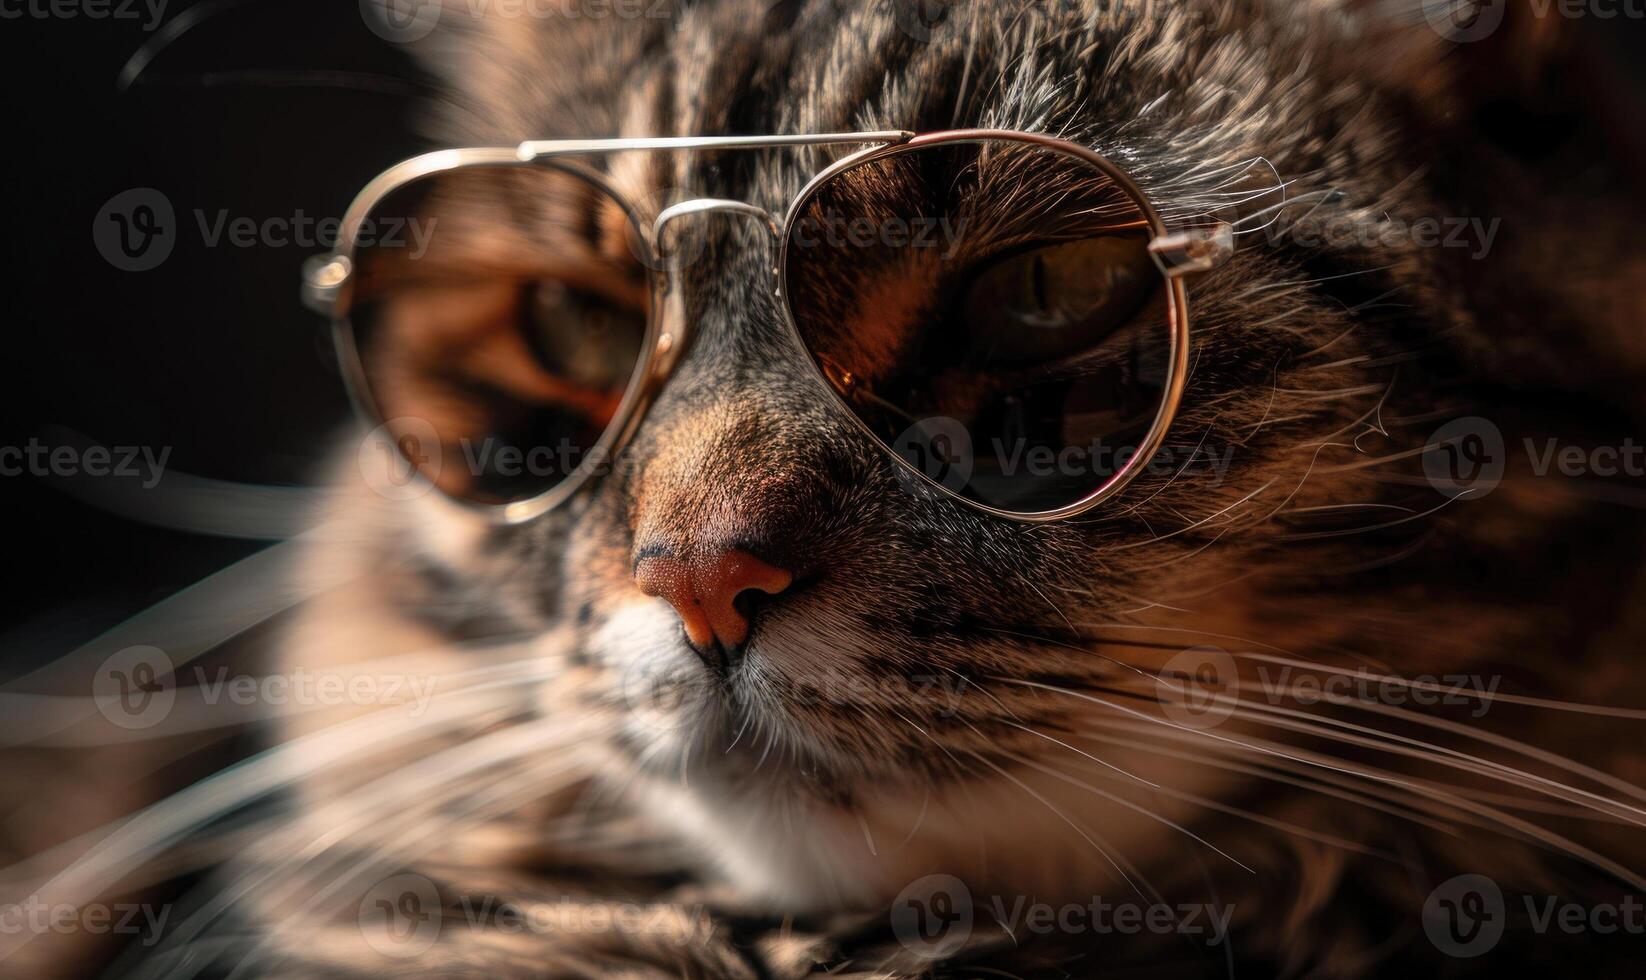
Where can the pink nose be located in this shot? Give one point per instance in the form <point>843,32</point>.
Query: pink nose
<point>704,589</point>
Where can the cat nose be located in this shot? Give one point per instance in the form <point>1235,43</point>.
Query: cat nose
<point>712,593</point>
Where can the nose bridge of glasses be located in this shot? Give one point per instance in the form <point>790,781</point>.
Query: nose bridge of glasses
<point>706,205</point>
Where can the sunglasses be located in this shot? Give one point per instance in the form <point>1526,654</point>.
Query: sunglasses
<point>1003,313</point>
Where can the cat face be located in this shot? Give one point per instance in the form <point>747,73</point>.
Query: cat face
<point>766,608</point>
<point>844,573</point>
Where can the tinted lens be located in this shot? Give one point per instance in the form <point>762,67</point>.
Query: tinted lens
<point>499,314</point>
<point>991,313</point>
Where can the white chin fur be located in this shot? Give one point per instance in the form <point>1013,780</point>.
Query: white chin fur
<point>1006,836</point>
<point>802,856</point>
<point>658,680</point>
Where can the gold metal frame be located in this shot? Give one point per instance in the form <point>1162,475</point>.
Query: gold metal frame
<point>328,278</point>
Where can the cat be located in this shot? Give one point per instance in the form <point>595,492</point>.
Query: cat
<point>947,728</point>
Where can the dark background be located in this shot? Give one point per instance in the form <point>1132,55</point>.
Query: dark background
<point>262,108</point>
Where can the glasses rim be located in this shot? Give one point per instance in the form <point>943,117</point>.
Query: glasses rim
<point>328,278</point>
<point>1177,310</point>
<point>636,393</point>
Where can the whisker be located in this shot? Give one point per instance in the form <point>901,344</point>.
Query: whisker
<point>1290,828</point>
<point>1487,697</point>
<point>1111,797</point>
<point>1316,781</point>
<point>1499,819</point>
<point>1322,725</point>
<point>1114,862</point>
<point>522,740</point>
<point>1544,835</point>
<point>1088,755</point>
<point>224,713</point>
<point>119,848</point>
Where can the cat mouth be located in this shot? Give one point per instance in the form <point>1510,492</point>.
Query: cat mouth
<point>741,720</point>
<point>725,733</point>
<point>803,694</point>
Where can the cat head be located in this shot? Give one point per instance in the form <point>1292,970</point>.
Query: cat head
<point>754,502</point>
<point>767,609</point>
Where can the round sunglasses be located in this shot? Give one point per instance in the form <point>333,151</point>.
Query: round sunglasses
<point>1003,313</point>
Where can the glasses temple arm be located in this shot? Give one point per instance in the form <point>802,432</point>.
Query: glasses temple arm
<point>1197,249</point>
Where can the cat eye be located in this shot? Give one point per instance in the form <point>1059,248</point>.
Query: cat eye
<point>497,349</point>
<point>1059,299</point>
<point>1004,314</point>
